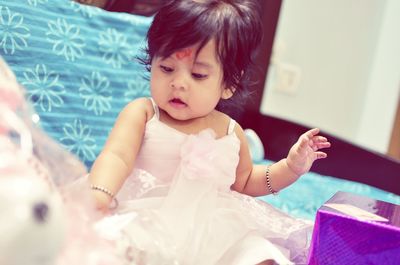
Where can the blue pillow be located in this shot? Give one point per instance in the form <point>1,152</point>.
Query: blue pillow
<point>78,64</point>
<point>303,198</point>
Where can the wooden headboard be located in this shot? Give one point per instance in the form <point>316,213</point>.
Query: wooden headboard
<point>345,160</point>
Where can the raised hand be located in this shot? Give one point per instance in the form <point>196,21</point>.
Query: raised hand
<point>306,150</point>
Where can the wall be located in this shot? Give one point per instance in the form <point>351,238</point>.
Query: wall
<point>383,91</point>
<point>328,67</point>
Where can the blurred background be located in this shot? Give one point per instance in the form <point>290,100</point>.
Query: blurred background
<point>336,65</point>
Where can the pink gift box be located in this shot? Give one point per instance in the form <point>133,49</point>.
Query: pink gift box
<point>353,229</point>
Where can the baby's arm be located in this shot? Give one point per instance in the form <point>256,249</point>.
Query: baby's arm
<point>117,158</point>
<point>251,179</point>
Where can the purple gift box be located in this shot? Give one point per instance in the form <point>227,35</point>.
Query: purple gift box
<point>353,229</point>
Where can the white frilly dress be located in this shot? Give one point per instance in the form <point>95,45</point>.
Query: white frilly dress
<point>177,207</point>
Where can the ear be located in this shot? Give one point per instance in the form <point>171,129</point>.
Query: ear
<point>227,93</point>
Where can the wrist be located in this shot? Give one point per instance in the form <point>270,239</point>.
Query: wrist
<point>104,201</point>
<point>291,168</point>
<point>268,181</point>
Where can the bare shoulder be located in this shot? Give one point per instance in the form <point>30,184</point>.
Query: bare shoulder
<point>240,133</point>
<point>139,107</point>
<point>223,121</point>
<point>130,123</point>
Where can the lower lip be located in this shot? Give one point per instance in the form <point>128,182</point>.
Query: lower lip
<point>178,105</point>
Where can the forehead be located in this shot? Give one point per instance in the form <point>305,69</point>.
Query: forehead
<point>184,53</point>
<point>206,53</point>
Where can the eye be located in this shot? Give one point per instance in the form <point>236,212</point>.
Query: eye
<point>40,212</point>
<point>199,76</point>
<point>166,69</point>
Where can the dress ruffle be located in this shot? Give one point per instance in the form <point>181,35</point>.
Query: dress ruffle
<point>198,220</point>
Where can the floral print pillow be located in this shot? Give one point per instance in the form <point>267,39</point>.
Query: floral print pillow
<point>78,64</point>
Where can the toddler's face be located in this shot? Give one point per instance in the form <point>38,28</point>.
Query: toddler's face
<point>187,86</point>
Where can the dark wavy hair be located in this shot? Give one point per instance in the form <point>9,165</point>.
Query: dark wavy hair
<point>234,24</point>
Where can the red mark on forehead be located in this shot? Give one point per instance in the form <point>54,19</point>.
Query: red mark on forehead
<point>183,53</point>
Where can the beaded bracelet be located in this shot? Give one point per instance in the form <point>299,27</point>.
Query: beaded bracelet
<point>109,193</point>
<point>267,177</point>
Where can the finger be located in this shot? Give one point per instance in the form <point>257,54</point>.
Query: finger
<point>311,133</point>
<point>319,138</point>
<point>323,145</point>
<point>320,155</point>
<point>310,138</point>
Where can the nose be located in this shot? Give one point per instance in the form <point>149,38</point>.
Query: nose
<point>179,81</point>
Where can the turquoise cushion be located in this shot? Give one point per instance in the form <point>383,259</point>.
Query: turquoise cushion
<point>78,65</point>
<point>303,198</point>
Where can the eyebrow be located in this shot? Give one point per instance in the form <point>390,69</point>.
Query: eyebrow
<point>197,63</point>
<point>203,64</point>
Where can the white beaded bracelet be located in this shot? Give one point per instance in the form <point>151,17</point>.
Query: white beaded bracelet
<point>267,177</point>
<point>109,193</point>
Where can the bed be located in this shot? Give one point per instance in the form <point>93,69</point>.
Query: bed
<point>77,65</point>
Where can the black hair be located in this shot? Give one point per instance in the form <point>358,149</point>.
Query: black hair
<point>234,24</point>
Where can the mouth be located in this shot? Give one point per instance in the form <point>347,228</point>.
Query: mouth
<point>178,103</point>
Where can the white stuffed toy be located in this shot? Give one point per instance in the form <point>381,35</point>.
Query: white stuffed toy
<point>32,223</point>
<point>45,217</point>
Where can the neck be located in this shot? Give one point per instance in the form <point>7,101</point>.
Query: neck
<point>193,125</point>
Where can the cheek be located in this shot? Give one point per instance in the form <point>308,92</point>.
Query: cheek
<point>154,85</point>
<point>209,99</point>
<point>155,79</point>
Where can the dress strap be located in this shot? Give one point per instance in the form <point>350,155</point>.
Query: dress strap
<point>155,108</point>
<point>231,126</point>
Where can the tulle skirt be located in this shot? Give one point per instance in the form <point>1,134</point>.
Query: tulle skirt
<point>194,222</point>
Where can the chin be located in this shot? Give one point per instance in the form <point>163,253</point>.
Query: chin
<point>179,117</point>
